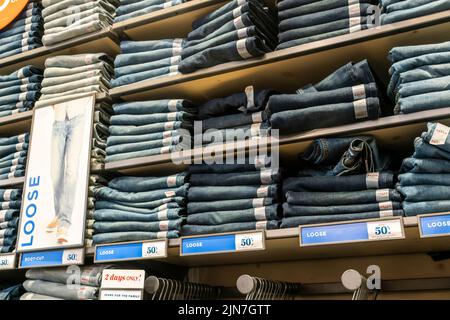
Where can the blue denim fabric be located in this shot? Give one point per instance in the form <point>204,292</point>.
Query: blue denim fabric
<point>406,52</point>
<point>163,204</point>
<point>19,50</point>
<point>6,150</point>
<point>16,97</point>
<point>405,90</point>
<point>149,45</point>
<point>90,275</point>
<point>233,120</point>
<point>288,4</point>
<point>249,165</point>
<point>423,150</point>
<point>22,73</point>
<point>144,153</point>
<point>63,291</point>
<point>13,156</point>
<point>15,174</point>
<point>144,146</point>
<point>416,11</point>
<point>428,135</point>
<point>20,29</point>
<point>8,215</point>
<point>431,179</point>
<point>422,102</point>
<point>188,230</point>
<point>8,241</point>
<point>123,139</point>
<point>147,9</point>
<point>415,208</point>
<point>11,224</point>
<point>129,59</point>
<point>132,236</point>
<point>8,141</point>
<point>134,73</point>
<point>339,183</point>
<point>11,204</point>
<point>144,75</point>
<point>18,82</point>
<point>228,205</point>
<point>293,222</point>
<point>233,51</point>
<point>22,21</point>
<point>343,197</point>
<point>234,216</point>
<point>106,193</point>
<point>118,215</point>
<point>20,88</point>
<point>232,192</point>
<point>141,184</point>
<point>147,129</point>
<point>251,100</point>
<point>21,37</point>
<point>293,121</point>
<point>19,44</point>
<point>144,119</point>
<point>420,193</point>
<point>236,179</point>
<point>126,226</point>
<point>155,106</point>
<point>11,293</point>
<point>12,169</point>
<point>425,165</point>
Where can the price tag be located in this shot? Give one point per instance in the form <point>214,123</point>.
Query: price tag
<point>245,241</point>
<point>8,261</point>
<point>356,231</point>
<point>52,258</point>
<point>434,225</point>
<point>131,251</point>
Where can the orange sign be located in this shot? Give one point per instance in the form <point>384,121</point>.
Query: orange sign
<point>9,10</point>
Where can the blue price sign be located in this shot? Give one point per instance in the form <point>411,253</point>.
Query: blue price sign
<point>52,258</point>
<point>131,251</point>
<point>434,225</point>
<point>218,243</point>
<point>355,231</point>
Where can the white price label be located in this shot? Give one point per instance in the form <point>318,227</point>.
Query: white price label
<point>249,241</point>
<point>72,256</point>
<point>440,134</point>
<point>389,229</point>
<point>155,249</point>
<point>8,261</point>
<point>121,295</point>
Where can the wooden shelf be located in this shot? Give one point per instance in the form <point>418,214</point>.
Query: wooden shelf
<point>292,68</point>
<point>102,41</point>
<point>13,182</point>
<point>16,123</point>
<point>160,24</point>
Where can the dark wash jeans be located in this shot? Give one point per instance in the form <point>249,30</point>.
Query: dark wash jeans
<point>189,230</point>
<point>236,179</point>
<point>233,120</point>
<point>232,192</point>
<point>228,205</point>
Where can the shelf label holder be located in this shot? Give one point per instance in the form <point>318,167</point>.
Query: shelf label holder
<point>52,258</point>
<point>8,261</point>
<point>434,225</point>
<point>136,250</point>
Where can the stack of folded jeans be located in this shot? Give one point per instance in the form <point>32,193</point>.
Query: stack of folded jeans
<point>133,8</point>
<point>12,292</point>
<point>419,77</point>
<point>13,156</point>
<point>398,10</point>
<point>239,30</point>
<point>10,201</point>
<point>140,208</point>
<point>57,284</point>
<point>67,19</point>
<point>143,60</point>
<point>102,114</point>
<point>68,77</point>
<point>240,115</point>
<point>343,179</point>
<point>303,21</point>
<point>424,179</point>
<point>232,197</point>
<point>24,33</point>
<point>95,181</point>
<point>19,90</point>
<point>348,95</point>
<point>147,128</point>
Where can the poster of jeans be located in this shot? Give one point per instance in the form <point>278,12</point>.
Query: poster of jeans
<point>53,209</point>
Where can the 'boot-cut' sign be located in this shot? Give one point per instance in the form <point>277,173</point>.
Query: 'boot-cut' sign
<point>9,10</point>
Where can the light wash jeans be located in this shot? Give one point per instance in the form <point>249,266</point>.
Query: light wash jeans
<point>90,276</point>
<point>63,291</point>
<point>415,11</point>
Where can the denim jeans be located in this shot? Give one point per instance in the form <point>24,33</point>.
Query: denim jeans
<point>144,146</point>
<point>21,37</point>
<point>428,136</point>
<point>74,31</point>
<point>74,61</point>
<point>21,29</point>
<point>55,72</point>
<point>106,193</point>
<point>119,215</point>
<point>248,101</point>
<point>343,197</point>
<point>11,293</point>
<point>293,121</point>
<point>63,291</point>
<point>127,226</point>
<point>125,139</point>
<point>228,205</point>
<point>145,153</point>
<point>407,52</point>
<point>163,204</point>
<point>189,230</point>
<point>232,192</point>
<point>66,146</point>
<point>140,58</point>
<point>145,75</point>
<point>425,165</point>
<point>147,129</point>
<point>8,241</point>
<point>422,102</point>
<point>340,183</point>
<point>234,216</point>
<point>421,193</point>
<point>234,120</point>
<point>20,88</point>
<point>133,236</point>
<point>144,119</point>
<point>293,222</point>
<point>67,11</point>
<point>155,106</point>
<point>233,51</point>
<point>423,150</point>
<point>431,179</point>
<point>290,210</point>
<point>147,70</point>
<point>8,215</point>
<point>74,18</point>
<point>146,9</point>
<point>90,276</point>
<point>415,208</point>
<point>415,11</point>
<point>415,88</point>
<point>35,296</point>
<point>251,164</point>
<point>17,97</point>
<point>236,179</point>
<point>6,150</point>
<point>142,184</point>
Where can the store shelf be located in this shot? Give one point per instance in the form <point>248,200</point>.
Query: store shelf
<point>16,123</point>
<point>294,67</point>
<point>283,245</point>
<point>160,24</point>
<point>394,132</point>
<point>13,182</point>
<point>103,41</point>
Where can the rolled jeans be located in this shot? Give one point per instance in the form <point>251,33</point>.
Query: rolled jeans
<point>188,230</point>
<point>257,178</point>
<point>231,193</point>
<point>66,147</point>
<point>63,291</point>
<point>234,216</point>
<point>228,205</point>
<point>340,183</point>
<point>415,208</point>
<point>325,116</point>
<point>133,236</point>
<point>293,222</point>
<point>118,215</point>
